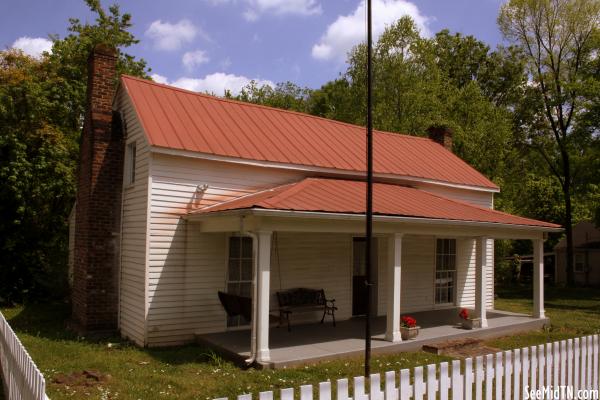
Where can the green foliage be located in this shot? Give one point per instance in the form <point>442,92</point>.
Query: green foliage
<point>42,104</point>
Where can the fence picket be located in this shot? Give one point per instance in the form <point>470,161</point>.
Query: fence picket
<point>507,375</point>
<point>596,366</point>
<point>391,393</point>
<point>306,392</point>
<point>499,370</point>
<point>541,365</point>
<point>457,381</point>
<point>549,364</point>
<point>286,394</point>
<point>325,390</point>
<point>245,397</point>
<point>517,374</point>
<point>432,382</point>
<point>269,395</point>
<point>359,388</point>
<point>444,382</point>
<point>479,378</point>
<point>555,363</point>
<point>375,392</point>
<point>576,364</point>
<point>590,367</point>
<point>533,366</point>
<point>419,385</point>
<point>342,389</point>
<point>489,376</point>
<point>405,389</point>
<point>570,362</point>
<point>469,379</point>
<point>583,363</point>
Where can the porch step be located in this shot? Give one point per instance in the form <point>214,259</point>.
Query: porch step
<point>460,348</point>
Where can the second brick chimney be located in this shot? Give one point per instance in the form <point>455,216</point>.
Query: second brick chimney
<point>98,210</point>
<point>441,135</point>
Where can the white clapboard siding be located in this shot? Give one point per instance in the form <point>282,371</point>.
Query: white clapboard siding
<point>504,375</point>
<point>186,268</point>
<point>21,378</point>
<point>134,232</point>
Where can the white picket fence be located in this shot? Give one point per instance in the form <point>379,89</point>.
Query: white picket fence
<point>21,379</point>
<point>570,364</point>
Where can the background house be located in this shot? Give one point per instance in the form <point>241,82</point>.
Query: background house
<point>586,243</point>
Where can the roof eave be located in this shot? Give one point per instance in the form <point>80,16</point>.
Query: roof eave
<point>349,216</point>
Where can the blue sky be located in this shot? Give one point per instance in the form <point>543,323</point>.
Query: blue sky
<point>209,45</point>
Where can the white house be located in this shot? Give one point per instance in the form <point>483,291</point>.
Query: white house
<point>219,195</point>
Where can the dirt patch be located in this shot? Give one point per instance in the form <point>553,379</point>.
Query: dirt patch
<point>86,378</point>
<point>461,348</point>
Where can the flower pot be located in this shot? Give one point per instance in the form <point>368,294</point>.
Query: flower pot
<point>471,323</point>
<point>409,333</point>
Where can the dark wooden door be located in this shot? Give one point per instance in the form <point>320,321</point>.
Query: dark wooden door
<point>360,302</point>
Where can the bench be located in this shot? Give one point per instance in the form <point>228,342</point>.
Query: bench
<point>304,300</point>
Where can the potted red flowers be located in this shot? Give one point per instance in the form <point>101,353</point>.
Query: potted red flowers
<point>408,327</point>
<point>469,323</point>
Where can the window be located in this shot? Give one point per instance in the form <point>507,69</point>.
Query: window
<point>579,262</point>
<point>239,273</point>
<point>130,163</point>
<point>445,271</point>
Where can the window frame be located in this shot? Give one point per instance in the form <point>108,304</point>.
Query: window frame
<point>130,163</point>
<point>453,272</point>
<point>229,321</point>
<point>581,263</point>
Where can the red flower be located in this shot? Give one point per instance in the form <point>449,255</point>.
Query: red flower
<point>408,321</point>
<point>464,313</point>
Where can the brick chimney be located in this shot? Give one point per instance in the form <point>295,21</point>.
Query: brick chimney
<point>98,211</point>
<point>441,135</point>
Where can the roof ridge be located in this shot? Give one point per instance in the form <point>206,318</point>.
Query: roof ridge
<point>243,103</point>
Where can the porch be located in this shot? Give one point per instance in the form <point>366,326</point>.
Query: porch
<point>308,343</point>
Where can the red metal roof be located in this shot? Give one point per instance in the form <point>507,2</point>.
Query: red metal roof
<point>348,197</point>
<point>184,120</point>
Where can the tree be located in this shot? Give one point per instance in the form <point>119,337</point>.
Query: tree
<point>42,103</point>
<point>557,37</point>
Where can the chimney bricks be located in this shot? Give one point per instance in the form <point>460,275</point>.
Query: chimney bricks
<point>441,135</point>
<point>98,211</point>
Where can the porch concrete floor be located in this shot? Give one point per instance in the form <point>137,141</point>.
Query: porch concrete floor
<point>315,342</point>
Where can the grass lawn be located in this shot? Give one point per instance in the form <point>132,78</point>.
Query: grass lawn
<point>192,372</point>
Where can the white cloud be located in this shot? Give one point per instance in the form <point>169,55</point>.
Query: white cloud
<point>256,8</point>
<point>349,30</point>
<point>159,78</point>
<point>33,46</point>
<point>216,83</point>
<point>168,36</point>
<point>192,59</point>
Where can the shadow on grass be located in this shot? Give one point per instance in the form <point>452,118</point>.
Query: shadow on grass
<point>50,321</point>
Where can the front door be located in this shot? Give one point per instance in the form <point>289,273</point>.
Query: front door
<point>360,302</point>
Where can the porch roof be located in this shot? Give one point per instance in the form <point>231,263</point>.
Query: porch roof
<point>335,196</point>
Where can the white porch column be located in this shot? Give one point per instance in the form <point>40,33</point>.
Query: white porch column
<point>394,270</point>
<point>538,278</point>
<point>481,280</point>
<point>263,276</point>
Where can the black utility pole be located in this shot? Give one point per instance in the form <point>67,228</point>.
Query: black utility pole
<point>369,221</point>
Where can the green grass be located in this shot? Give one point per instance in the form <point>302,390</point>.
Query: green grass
<point>189,372</point>
<point>572,312</point>
<point>192,372</point>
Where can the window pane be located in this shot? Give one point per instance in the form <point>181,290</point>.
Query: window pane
<point>234,271</point>
<point>246,289</point>
<point>246,247</point>
<point>234,247</point>
<point>246,270</point>
<point>233,288</point>
<point>452,246</point>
